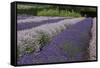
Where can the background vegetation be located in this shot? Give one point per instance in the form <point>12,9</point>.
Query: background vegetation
<point>55,10</point>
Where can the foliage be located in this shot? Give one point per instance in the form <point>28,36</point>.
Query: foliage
<point>52,10</point>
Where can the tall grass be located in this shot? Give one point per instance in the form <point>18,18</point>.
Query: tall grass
<point>52,12</point>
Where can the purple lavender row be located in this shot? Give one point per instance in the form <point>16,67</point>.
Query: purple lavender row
<point>29,25</point>
<point>70,45</point>
<point>23,16</point>
<point>34,21</point>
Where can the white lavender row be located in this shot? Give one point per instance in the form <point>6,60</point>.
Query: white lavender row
<point>92,46</point>
<point>32,40</point>
<point>37,19</point>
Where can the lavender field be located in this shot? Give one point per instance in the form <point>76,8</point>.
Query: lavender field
<point>49,39</point>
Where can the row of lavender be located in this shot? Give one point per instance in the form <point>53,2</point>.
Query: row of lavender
<point>34,21</point>
<point>92,47</point>
<point>24,16</point>
<point>69,45</point>
<point>32,40</point>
